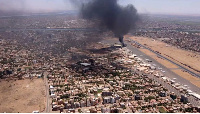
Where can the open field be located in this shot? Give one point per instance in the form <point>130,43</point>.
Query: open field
<point>22,96</point>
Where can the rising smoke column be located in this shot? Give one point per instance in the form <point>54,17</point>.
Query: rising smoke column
<point>114,17</point>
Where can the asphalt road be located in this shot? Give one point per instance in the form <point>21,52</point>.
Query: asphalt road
<point>47,110</point>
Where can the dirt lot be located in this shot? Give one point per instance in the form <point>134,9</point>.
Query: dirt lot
<point>22,96</point>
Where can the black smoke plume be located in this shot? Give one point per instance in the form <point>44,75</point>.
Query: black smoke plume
<point>111,15</point>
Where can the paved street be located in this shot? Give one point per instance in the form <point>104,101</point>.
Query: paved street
<point>47,93</point>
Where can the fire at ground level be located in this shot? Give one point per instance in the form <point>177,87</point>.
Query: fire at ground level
<point>85,72</point>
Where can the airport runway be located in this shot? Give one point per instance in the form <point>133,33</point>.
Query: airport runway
<point>189,71</point>
<point>167,73</point>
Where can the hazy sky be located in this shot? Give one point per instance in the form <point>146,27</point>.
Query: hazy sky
<point>166,6</point>
<point>144,6</point>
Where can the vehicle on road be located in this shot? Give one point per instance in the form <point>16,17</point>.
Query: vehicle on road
<point>36,111</point>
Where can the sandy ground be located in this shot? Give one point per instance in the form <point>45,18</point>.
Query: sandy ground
<point>22,96</point>
<point>190,58</point>
<point>187,57</point>
<point>147,52</point>
<point>160,60</point>
<point>192,79</point>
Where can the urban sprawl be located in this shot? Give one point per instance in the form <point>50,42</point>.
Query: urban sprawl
<point>85,75</point>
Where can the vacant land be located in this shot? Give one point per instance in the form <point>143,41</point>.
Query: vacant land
<point>22,96</point>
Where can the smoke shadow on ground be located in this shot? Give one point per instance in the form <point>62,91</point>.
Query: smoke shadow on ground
<point>103,50</point>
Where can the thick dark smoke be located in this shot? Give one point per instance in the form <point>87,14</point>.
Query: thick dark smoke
<point>114,17</point>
